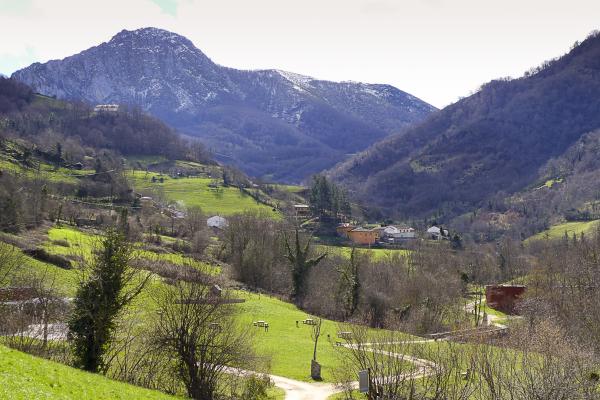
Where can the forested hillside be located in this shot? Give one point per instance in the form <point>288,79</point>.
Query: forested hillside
<point>485,146</point>
<point>48,121</point>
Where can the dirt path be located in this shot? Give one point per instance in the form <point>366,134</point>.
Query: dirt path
<point>297,390</point>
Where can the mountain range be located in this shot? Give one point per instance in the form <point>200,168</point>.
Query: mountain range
<point>270,123</point>
<point>488,146</point>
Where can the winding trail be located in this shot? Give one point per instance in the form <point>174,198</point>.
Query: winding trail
<point>298,390</point>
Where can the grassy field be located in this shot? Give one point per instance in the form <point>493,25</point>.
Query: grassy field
<point>558,231</point>
<point>135,162</point>
<point>64,281</point>
<point>44,171</point>
<point>197,192</point>
<point>290,188</point>
<point>290,347</point>
<point>81,244</point>
<point>24,377</point>
<point>376,254</point>
<point>551,182</point>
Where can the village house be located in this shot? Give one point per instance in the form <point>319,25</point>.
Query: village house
<point>393,234</point>
<point>343,230</point>
<point>106,108</point>
<point>217,222</point>
<point>437,233</point>
<point>364,236</point>
<point>302,210</point>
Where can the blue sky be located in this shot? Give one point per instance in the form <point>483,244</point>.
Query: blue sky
<point>438,50</point>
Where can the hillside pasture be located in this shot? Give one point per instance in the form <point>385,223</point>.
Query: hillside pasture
<point>568,228</point>
<point>25,377</point>
<point>375,254</point>
<point>205,193</point>
<point>291,347</point>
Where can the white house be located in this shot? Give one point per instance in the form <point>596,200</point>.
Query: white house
<point>106,108</point>
<point>217,222</point>
<point>435,232</point>
<point>392,233</point>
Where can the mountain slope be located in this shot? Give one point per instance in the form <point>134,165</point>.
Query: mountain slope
<point>490,143</point>
<point>267,122</point>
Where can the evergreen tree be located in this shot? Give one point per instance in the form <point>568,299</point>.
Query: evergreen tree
<point>327,199</point>
<point>301,264</point>
<point>110,286</point>
<point>349,285</point>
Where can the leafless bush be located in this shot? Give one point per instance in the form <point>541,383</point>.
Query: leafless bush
<point>200,334</point>
<point>173,272</point>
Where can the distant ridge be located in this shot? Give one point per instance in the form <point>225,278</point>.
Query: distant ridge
<point>479,150</point>
<point>271,123</point>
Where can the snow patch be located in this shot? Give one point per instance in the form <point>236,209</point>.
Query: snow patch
<point>299,82</point>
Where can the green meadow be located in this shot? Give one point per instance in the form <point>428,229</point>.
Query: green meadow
<point>190,192</point>
<point>290,347</point>
<point>25,377</point>
<point>570,228</point>
<point>81,244</point>
<point>44,171</point>
<point>375,254</point>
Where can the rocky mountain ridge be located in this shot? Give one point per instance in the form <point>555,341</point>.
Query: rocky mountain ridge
<point>270,123</point>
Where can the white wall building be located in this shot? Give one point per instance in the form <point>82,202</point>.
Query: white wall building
<point>217,222</point>
<point>392,233</point>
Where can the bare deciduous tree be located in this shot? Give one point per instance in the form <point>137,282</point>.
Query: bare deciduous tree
<point>199,333</point>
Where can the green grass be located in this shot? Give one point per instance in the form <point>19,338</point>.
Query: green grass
<point>291,348</point>
<point>375,254</point>
<point>276,393</point>
<point>135,161</point>
<point>197,192</point>
<point>82,243</point>
<point>558,231</point>
<point>64,281</point>
<point>290,188</point>
<point>44,171</point>
<point>342,395</point>
<point>25,377</point>
<point>551,182</point>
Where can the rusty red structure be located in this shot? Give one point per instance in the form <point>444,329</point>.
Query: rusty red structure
<point>504,298</point>
<point>17,294</point>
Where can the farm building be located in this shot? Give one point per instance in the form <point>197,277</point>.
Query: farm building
<point>343,229</point>
<point>302,210</point>
<point>504,297</point>
<point>8,294</point>
<point>106,108</point>
<point>217,222</point>
<point>437,233</point>
<point>393,234</point>
<point>364,236</point>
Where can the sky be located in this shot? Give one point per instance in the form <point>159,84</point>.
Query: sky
<point>437,50</point>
